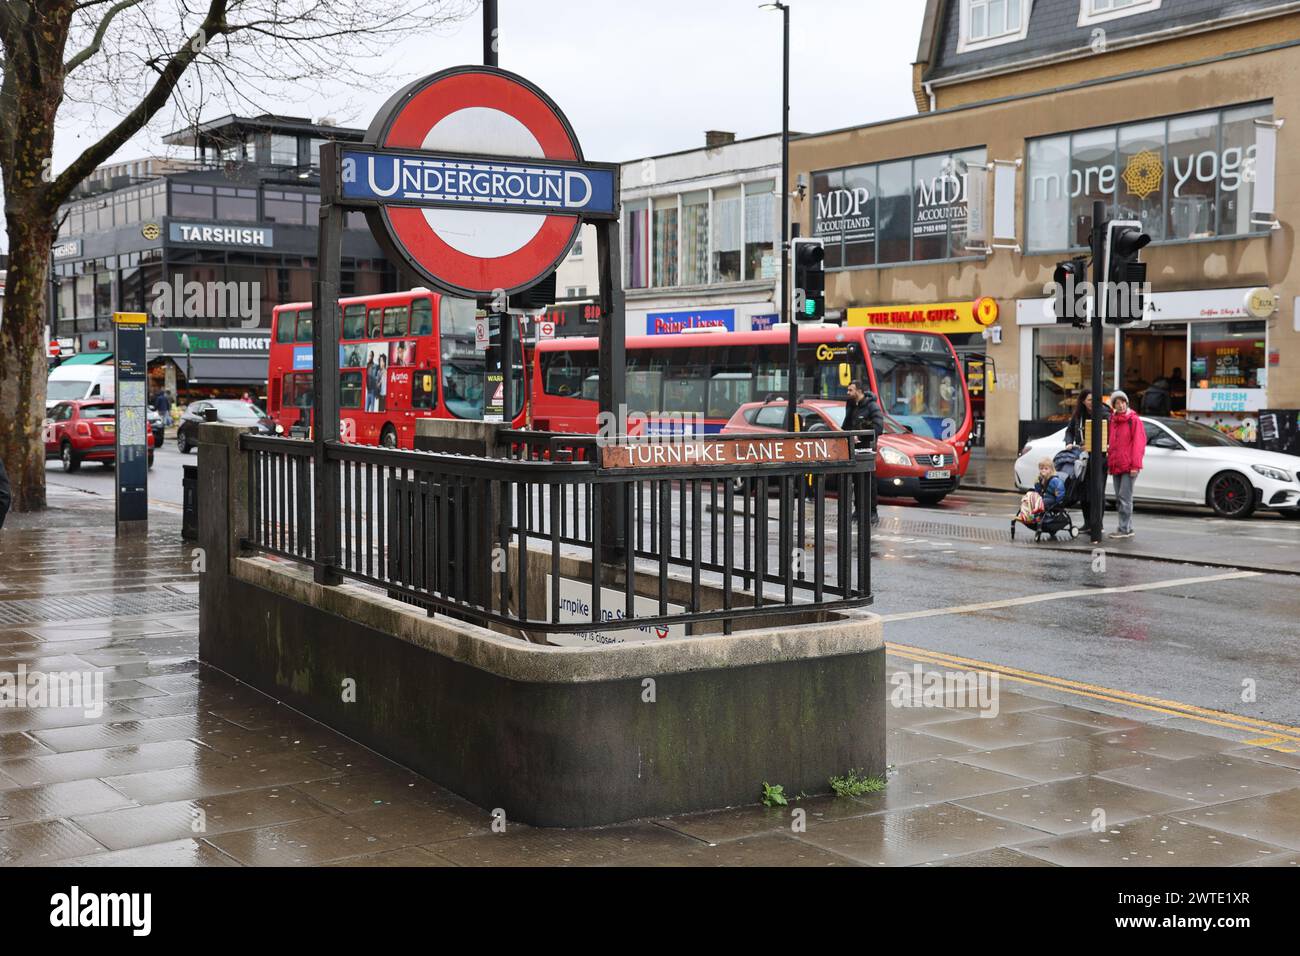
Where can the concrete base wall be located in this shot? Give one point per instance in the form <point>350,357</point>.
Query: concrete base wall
<point>549,741</point>
<point>554,736</point>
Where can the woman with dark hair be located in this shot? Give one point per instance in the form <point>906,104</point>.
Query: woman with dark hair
<point>1074,438</point>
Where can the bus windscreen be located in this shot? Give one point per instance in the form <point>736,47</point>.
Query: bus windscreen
<point>918,382</point>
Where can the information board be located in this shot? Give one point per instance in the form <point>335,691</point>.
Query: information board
<point>132,432</point>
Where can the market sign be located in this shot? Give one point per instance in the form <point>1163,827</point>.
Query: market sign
<point>744,451</point>
<point>950,318</point>
<point>210,342</point>
<point>474,179</point>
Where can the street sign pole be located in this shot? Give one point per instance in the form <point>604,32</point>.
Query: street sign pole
<point>1096,472</point>
<point>130,434</point>
<point>612,363</point>
<point>325,361</point>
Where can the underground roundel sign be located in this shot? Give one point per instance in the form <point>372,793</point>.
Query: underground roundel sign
<point>474,178</point>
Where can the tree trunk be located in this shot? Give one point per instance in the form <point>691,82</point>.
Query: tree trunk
<point>22,354</point>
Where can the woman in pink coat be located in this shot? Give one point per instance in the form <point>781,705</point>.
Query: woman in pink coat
<point>1128,445</point>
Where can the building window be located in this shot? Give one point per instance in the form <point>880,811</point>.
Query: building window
<point>1063,369</point>
<point>695,238</point>
<point>239,205</point>
<point>284,150</point>
<point>192,201</point>
<point>285,207</point>
<point>576,251</point>
<point>992,22</point>
<point>1184,177</point>
<point>726,235</point>
<point>1097,11</point>
<point>760,230</point>
<point>911,210</point>
<point>664,248</point>
<point>636,243</point>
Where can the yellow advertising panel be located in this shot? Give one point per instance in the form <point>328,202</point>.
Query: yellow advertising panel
<point>950,318</point>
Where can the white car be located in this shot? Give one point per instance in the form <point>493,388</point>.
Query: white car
<point>1190,463</point>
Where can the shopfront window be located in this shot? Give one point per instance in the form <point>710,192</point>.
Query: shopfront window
<point>1063,369</point>
<point>1229,366</point>
<point>1184,177</point>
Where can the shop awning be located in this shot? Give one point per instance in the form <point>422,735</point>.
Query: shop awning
<point>88,358</point>
<point>224,370</point>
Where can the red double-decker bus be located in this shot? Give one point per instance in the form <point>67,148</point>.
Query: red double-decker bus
<point>403,356</point>
<point>693,382</point>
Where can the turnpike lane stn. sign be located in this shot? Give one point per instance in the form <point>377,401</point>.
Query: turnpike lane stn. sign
<point>744,451</point>
<point>474,178</point>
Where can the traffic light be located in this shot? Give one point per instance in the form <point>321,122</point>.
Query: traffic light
<point>809,280</point>
<point>1070,300</point>
<point>1122,296</point>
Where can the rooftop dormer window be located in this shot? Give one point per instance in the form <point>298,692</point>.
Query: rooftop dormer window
<point>1098,11</point>
<point>993,22</point>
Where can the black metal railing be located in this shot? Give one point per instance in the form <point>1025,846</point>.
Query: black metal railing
<point>452,533</point>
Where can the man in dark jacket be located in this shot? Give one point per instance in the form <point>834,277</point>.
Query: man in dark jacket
<point>862,410</point>
<point>1156,399</point>
<point>6,496</point>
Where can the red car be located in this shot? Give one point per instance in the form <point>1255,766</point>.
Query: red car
<point>908,466</point>
<point>85,431</point>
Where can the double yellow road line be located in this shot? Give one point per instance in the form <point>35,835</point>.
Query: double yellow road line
<point>1276,736</point>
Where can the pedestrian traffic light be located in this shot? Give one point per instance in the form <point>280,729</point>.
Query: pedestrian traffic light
<point>1070,300</point>
<point>809,280</point>
<point>1122,296</point>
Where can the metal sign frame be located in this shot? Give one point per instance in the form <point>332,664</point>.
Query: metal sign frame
<point>334,205</point>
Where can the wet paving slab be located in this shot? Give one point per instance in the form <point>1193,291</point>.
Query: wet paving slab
<point>184,766</point>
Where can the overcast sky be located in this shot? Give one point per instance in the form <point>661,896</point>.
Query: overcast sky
<point>638,78</point>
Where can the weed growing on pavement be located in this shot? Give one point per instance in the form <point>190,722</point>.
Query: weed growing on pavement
<point>853,784</point>
<point>773,795</point>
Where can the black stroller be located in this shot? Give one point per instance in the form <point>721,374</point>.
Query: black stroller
<point>1072,469</point>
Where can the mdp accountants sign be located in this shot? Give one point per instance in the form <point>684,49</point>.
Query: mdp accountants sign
<point>474,178</point>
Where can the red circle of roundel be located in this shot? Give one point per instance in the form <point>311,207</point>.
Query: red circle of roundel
<point>407,129</point>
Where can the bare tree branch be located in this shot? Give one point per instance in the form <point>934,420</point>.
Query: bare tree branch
<point>213,25</point>
<point>98,41</point>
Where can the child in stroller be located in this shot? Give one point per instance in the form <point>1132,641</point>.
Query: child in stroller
<point>1043,510</point>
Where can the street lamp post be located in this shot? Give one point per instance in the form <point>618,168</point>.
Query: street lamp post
<point>792,398</point>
